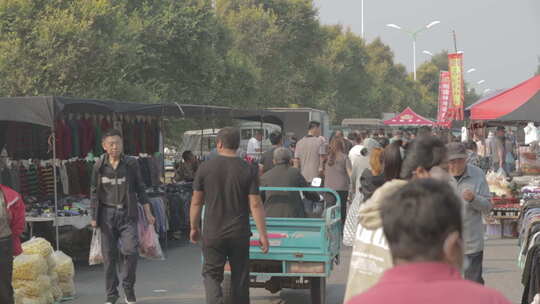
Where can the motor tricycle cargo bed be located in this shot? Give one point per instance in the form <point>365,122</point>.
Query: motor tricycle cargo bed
<point>301,245</point>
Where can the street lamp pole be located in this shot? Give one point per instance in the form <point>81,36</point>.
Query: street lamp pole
<point>413,35</point>
<point>362,5</point>
<point>414,56</point>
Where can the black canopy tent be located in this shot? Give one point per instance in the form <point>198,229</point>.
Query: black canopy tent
<point>44,110</point>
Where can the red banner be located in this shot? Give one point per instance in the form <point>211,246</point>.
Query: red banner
<point>444,99</point>
<point>457,94</point>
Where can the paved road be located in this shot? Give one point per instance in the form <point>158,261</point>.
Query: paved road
<point>178,280</point>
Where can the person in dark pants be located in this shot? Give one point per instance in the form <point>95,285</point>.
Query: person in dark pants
<point>116,188</point>
<point>229,187</point>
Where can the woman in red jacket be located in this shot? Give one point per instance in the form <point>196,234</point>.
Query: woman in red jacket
<point>11,227</point>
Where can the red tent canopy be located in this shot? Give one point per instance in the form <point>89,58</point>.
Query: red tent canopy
<point>520,103</point>
<point>408,118</point>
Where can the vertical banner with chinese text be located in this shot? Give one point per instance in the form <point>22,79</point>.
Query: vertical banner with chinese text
<point>444,99</point>
<point>457,94</point>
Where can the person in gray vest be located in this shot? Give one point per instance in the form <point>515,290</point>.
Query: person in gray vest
<point>116,188</point>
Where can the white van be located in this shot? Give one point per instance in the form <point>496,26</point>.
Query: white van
<point>202,142</point>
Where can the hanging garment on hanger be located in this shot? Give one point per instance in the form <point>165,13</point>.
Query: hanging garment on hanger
<point>531,134</point>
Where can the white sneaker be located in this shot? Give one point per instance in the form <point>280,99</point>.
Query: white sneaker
<point>128,302</point>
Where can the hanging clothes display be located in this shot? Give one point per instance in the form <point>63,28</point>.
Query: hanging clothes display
<point>529,240</point>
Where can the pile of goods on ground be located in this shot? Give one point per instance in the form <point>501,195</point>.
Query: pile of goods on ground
<point>41,275</point>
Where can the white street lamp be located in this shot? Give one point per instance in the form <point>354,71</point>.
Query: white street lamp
<point>428,53</point>
<point>471,70</point>
<point>481,81</point>
<point>413,35</point>
<point>362,7</point>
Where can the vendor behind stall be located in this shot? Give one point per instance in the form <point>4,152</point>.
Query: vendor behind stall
<point>11,227</point>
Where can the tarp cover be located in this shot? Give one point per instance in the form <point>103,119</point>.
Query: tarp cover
<point>43,110</point>
<point>520,103</point>
<point>408,118</point>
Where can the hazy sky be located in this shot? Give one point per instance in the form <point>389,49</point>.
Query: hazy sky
<point>500,38</point>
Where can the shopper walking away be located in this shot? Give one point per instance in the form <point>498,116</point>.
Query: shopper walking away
<point>423,228</point>
<point>361,163</point>
<point>11,227</point>
<point>229,187</point>
<point>309,153</point>
<point>372,178</point>
<point>267,160</point>
<point>116,188</point>
<point>356,151</point>
<point>337,173</point>
<point>370,256</point>
<point>474,191</point>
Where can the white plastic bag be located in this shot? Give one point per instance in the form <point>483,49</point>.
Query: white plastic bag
<point>150,247</point>
<point>351,223</point>
<point>95,257</point>
<point>64,266</point>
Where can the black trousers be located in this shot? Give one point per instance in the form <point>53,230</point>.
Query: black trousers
<point>473,272</point>
<point>119,246</point>
<point>6,270</point>
<point>343,196</point>
<point>216,252</point>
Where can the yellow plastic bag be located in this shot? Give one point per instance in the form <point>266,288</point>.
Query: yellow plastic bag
<point>64,266</point>
<point>29,267</point>
<point>37,246</point>
<point>33,288</point>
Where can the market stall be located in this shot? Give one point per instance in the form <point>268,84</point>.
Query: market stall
<point>408,118</point>
<point>49,145</point>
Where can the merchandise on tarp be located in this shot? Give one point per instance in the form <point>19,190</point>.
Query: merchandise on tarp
<point>408,118</point>
<point>520,103</point>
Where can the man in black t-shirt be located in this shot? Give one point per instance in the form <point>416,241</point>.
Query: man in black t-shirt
<point>229,187</point>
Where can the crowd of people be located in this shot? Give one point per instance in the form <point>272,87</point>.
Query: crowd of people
<point>419,234</point>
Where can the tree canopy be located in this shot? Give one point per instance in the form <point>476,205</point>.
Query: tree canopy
<point>240,53</point>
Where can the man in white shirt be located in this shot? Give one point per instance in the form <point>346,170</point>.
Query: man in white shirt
<point>254,148</point>
<point>356,151</point>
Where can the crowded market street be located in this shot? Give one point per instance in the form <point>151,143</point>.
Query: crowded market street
<point>178,279</point>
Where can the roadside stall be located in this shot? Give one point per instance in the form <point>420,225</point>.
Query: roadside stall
<point>408,118</point>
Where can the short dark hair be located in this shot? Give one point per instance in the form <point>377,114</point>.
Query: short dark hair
<point>275,138</point>
<point>419,217</point>
<point>229,137</point>
<point>111,133</point>
<point>392,161</point>
<point>313,125</point>
<point>352,136</point>
<point>426,152</point>
<point>186,155</point>
<point>423,131</point>
<point>471,145</point>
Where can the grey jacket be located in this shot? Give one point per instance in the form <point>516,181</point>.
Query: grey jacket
<point>473,228</point>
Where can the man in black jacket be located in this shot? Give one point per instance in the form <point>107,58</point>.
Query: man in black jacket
<point>116,188</point>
